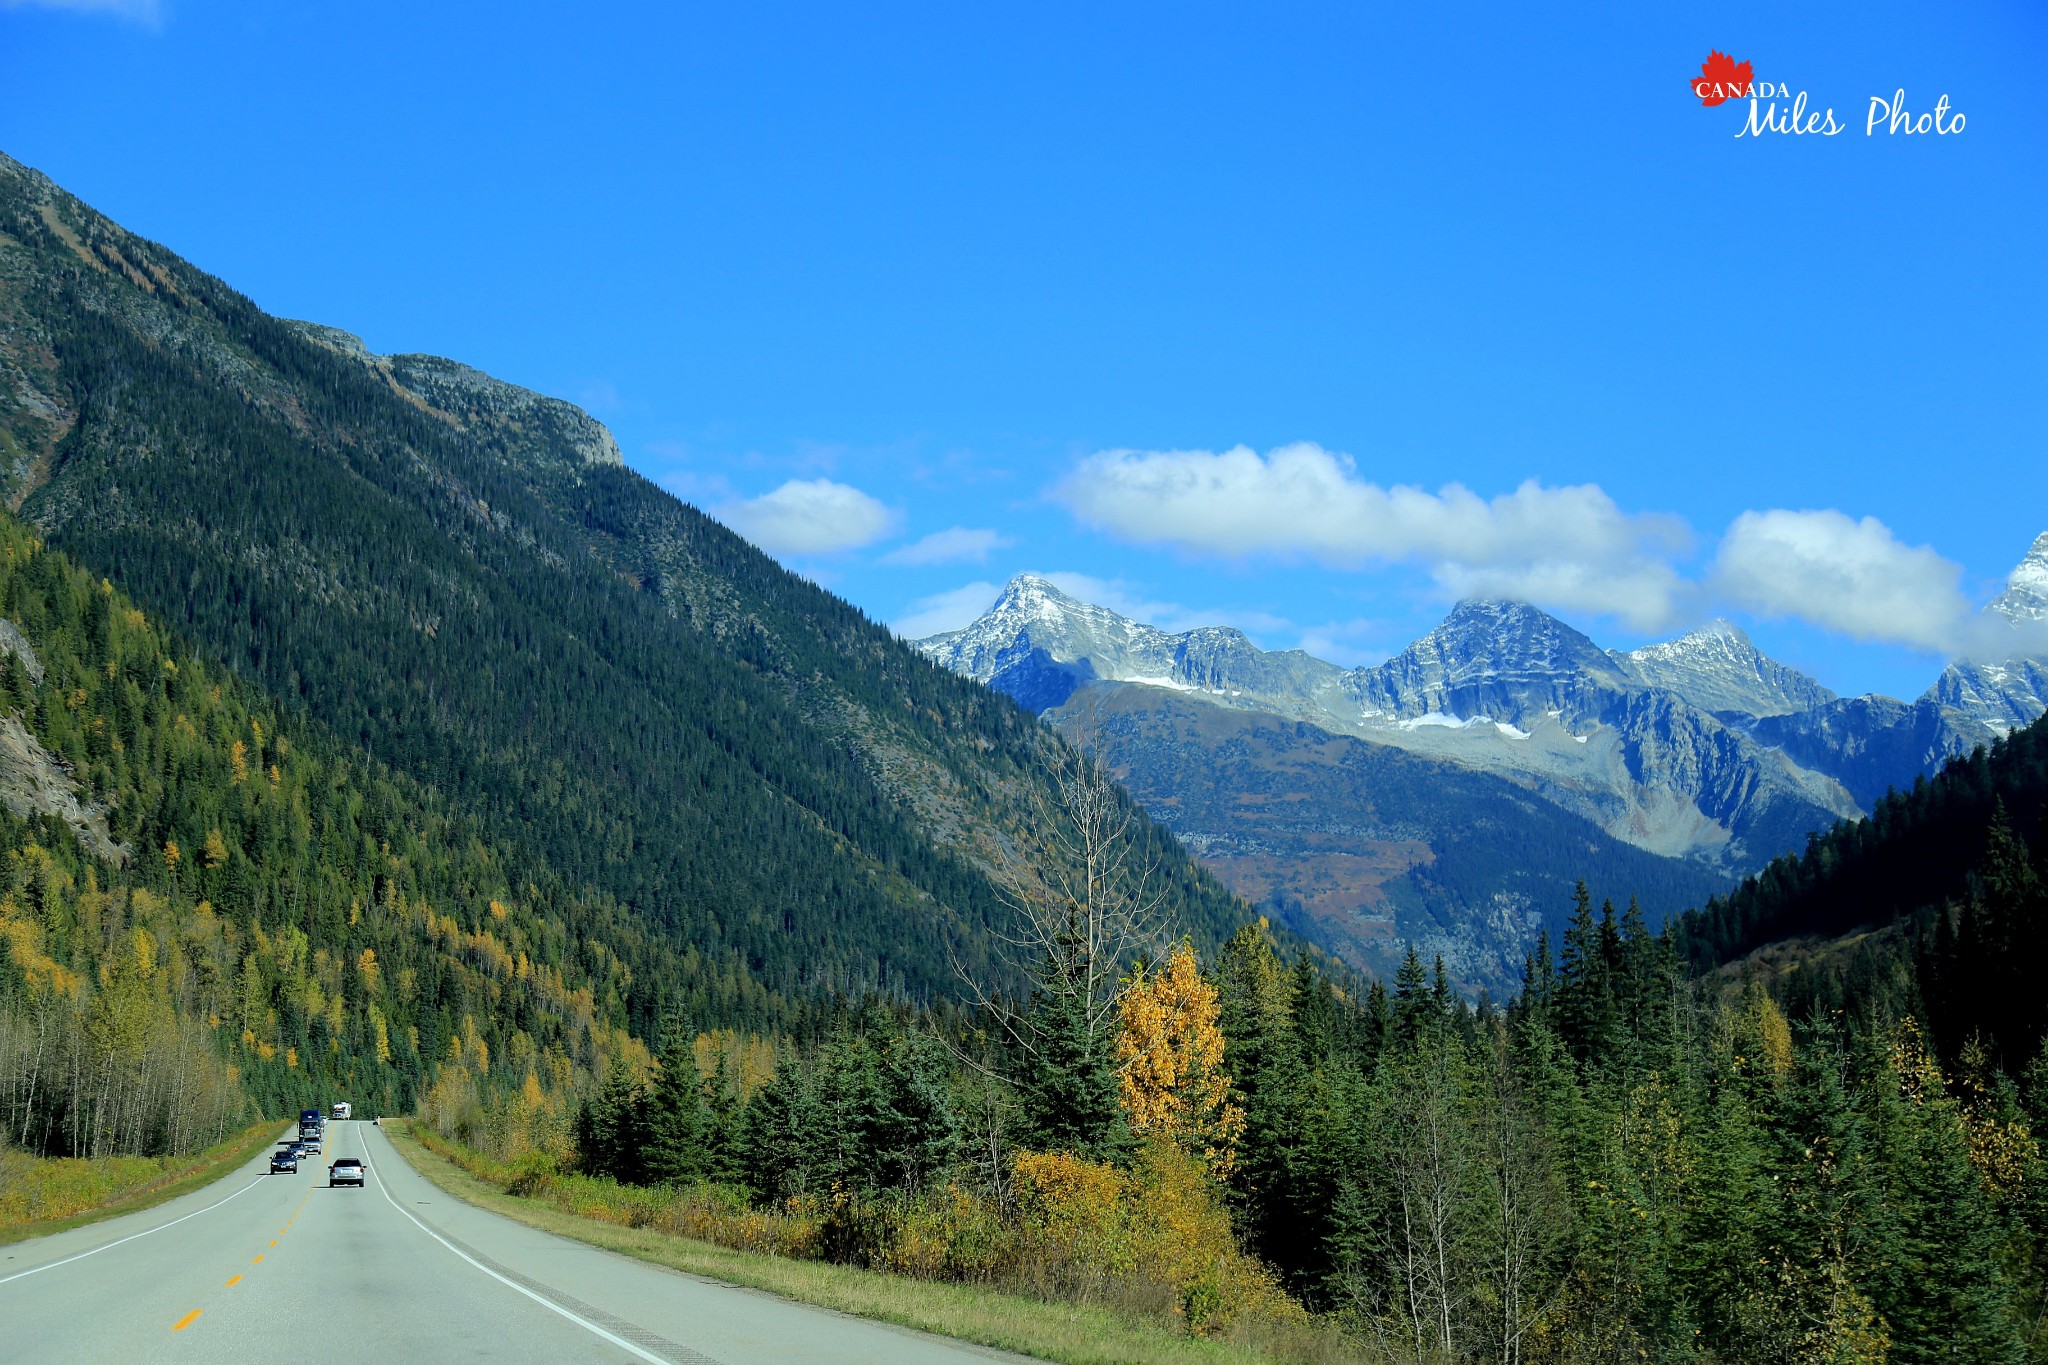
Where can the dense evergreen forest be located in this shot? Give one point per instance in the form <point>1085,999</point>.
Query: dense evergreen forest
<point>256,918</point>
<point>1633,1160</point>
<point>1952,908</point>
<point>1626,1164</point>
<point>612,686</point>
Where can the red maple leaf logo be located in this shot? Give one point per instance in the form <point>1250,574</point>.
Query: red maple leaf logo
<point>1721,77</point>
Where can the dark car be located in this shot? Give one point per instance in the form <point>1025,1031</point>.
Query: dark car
<point>284,1161</point>
<point>347,1171</point>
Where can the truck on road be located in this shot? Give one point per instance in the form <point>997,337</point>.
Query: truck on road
<point>341,1109</point>
<point>311,1125</point>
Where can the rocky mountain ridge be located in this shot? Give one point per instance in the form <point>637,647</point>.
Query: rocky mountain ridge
<point>1702,747</point>
<point>2010,689</point>
<point>1719,668</point>
<point>1500,687</point>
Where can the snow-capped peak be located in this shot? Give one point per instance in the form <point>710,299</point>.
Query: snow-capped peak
<point>1038,643</point>
<point>2026,589</point>
<point>1717,667</point>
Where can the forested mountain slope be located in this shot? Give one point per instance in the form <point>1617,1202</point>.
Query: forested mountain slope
<point>255,913</point>
<point>459,576</point>
<point>1953,878</point>
<point>1365,849</point>
<point>1919,848</point>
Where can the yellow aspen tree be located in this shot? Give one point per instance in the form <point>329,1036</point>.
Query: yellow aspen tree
<point>238,760</point>
<point>1169,1056</point>
<point>216,850</point>
<point>367,969</point>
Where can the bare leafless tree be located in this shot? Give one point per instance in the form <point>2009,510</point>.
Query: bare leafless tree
<point>1523,1221</point>
<point>1085,893</point>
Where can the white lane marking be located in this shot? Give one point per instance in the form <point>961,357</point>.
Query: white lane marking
<point>585,1323</point>
<point>24,1274</point>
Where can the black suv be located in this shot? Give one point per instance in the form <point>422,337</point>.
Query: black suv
<point>284,1161</point>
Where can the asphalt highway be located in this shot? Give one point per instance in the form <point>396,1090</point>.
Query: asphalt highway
<point>262,1267</point>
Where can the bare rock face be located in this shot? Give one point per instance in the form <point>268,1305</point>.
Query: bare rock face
<point>34,781</point>
<point>1717,668</point>
<point>1500,687</point>
<point>529,425</point>
<point>13,642</point>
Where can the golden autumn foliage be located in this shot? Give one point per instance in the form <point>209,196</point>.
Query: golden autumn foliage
<point>1169,1058</point>
<point>2000,1146</point>
<point>1088,1226</point>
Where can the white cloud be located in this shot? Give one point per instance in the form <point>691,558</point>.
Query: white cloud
<point>809,517</point>
<point>1569,547</point>
<point>946,610</point>
<point>1846,575</point>
<point>954,545</point>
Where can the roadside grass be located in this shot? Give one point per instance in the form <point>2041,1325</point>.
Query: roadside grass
<point>41,1195</point>
<point>1073,1333</point>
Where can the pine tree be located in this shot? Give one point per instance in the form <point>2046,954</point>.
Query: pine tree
<point>782,1152</point>
<point>1938,1279</point>
<point>724,1124</point>
<point>1379,1019</point>
<point>1539,982</point>
<point>1585,993</point>
<point>1818,1231</point>
<point>1069,1088</point>
<point>609,1126</point>
<point>920,1136</point>
<point>1415,1005</point>
<point>676,1121</point>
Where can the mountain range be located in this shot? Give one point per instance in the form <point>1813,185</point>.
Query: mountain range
<point>1701,752</point>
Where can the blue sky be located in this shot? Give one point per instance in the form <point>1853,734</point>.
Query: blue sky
<point>1206,307</point>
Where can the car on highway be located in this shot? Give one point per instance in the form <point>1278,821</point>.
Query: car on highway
<point>347,1171</point>
<point>284,1161</point>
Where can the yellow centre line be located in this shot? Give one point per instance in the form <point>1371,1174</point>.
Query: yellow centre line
<point>257,1261</point>
<point>235,1281</point>
<point>273,1241</point>
<point>182,1323</point>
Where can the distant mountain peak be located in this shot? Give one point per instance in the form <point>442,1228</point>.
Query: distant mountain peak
<point>1718,668</point>
<point>2004,684</point>
<point>1027,592</point>
<point>2025,598</point>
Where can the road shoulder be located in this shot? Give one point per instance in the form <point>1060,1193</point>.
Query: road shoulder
<point>1071,1333</point>
<point>212,1165</point>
